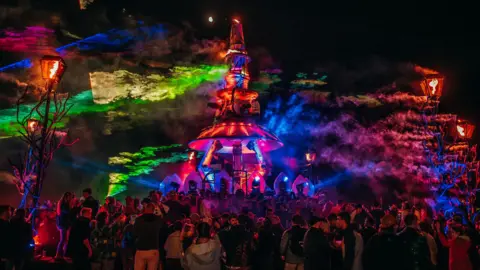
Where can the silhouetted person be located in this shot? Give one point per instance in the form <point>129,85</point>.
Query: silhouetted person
<point>368,230</point>
<point>64,222</point>
<point>416,254</point>
<point>79,241</point>
<point>5,235</point>
<point>90,202</point>
<point>147,232</point>
<point>316,246</point>
<point>352,243</point>
<point>291,245</point>
<point>21,232</point>
<point>384,250</point>
<point>237,243</point>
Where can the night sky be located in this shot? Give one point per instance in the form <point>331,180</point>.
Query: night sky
<point>442,35</point>
<point>302,34</point>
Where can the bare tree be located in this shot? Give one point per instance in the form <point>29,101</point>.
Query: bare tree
<point>38,129</point>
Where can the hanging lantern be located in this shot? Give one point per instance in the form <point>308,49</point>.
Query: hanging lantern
<point>52,67</point>
<point>432,85</point>
<point>32,125</point>
<point>310,156</point>
<point>465,129</point>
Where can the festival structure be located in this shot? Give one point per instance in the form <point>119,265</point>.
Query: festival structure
<point>234,138</point>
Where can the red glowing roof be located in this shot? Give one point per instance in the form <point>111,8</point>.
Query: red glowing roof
<point>243,94</point>
<point>229,132</point>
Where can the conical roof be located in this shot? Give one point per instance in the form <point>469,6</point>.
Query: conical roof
<point>228,132</point>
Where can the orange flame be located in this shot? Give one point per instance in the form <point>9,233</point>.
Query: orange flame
<point>461,130</point>
<point>236,20</point>
<point>222,54</point>
<point>36,240</point>
<point>54,69</point>
<point>433,83</point>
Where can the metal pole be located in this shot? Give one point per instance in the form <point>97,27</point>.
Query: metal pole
<point>41,159</point>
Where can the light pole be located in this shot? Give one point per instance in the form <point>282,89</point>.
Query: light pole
<point>52,68</point>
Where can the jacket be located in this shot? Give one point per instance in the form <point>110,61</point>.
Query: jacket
<point>204,256</point>
<point>383,251</point>
<point>415,250</point>
<point>147,232</point>
<point>317,250</point>
<point>238,244</point>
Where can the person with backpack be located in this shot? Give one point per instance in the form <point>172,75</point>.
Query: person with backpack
<point>291,245</point>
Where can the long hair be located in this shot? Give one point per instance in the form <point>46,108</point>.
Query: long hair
<point>65,199</point>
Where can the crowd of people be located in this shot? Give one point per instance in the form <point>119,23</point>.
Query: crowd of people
<point>213,232</point>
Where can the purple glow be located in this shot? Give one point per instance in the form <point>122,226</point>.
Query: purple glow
<point>33,39</point>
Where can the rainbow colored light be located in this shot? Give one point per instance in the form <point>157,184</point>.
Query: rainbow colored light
<point>140,163</point>
<point>160,87</point>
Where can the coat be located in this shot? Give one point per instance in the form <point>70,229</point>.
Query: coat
<point>382,251</point>
<point>204,256</point>
<point>317,250</point>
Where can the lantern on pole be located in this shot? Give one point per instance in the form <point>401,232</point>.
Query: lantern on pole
<point>464,129</point>
<point>32,125</point>
<point>53,68</point>
<point>432,85</point>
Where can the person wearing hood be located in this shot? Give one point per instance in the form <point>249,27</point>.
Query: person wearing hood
<point>458,247</point>
<point>173,248</point>
<point>205,252</point>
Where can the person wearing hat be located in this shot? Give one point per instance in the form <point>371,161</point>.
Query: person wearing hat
<point>316,247</point>
<point>384,249</point>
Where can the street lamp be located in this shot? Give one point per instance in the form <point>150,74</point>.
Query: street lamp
<point>53,68</point>
<point>32,125</point>
<point>464,129</point>
<point>432,85</point>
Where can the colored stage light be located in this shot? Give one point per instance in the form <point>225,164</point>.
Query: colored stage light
<point>257,178</point>
<point>285,179</point>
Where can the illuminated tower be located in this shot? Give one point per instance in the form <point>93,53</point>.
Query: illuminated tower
<point>234,136</point>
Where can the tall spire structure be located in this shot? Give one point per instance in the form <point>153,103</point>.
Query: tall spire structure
<point>234,136</point>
